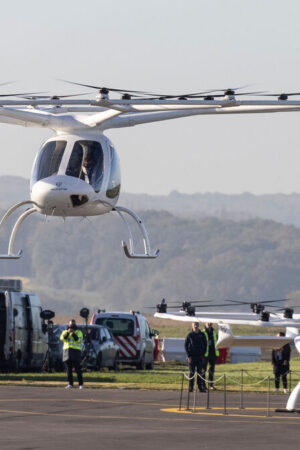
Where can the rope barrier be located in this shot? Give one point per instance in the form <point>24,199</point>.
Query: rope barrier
<point>247,384</point>
<point>187,377</point>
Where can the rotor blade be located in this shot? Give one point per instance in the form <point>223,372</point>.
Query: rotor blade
<point>231,89</point>
<point>238,302</point>
<point>51,97</point>
<point>18,94</point>
<point>108,88</point>
<point>281,94</point>
<point>188,301</point>
<point>153,95</point>
<point>243,302</point>
<point>272,301</point>
<point>222,95</point>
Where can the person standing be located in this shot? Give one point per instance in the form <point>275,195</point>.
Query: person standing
<point>281,364</point>
<point>72,339</point>
<point>211,354</point>
<point>195,346</point>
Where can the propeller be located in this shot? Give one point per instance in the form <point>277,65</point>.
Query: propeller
<point>259,306</point>
<point>243,302</point>
<point>281,96</point>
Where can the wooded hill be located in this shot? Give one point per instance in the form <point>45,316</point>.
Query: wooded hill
<point>81,262</point>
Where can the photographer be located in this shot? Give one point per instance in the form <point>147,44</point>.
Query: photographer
<point>72,339</point>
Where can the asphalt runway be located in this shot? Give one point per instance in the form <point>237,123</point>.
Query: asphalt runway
<point>55,418</point>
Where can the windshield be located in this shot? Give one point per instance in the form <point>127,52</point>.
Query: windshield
<point>118,327</point>
<point>48,160</point>
<point>86,163</point>
<point>92,334</point>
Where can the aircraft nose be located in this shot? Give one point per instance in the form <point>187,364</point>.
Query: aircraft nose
<point>58,195</point>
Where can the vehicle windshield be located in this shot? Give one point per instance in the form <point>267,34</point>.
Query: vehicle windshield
<point>48,160</point>
<point>118,326</point>
<point>92,334</point>
<point>86,163</point>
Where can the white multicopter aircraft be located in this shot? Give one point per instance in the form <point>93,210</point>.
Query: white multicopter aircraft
<point>77,172</point>
<point>260,319</point>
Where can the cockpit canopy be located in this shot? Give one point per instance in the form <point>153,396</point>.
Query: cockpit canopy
<point>85,162</point>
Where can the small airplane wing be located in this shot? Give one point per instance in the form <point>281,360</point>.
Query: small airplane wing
<point>227,339</point>
<point>231,318</point>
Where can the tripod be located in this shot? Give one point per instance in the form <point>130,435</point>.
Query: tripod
<point>84,313</point>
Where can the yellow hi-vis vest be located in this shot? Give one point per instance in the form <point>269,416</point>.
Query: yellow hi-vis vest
<point>215,342</point>
<point>69,341</point>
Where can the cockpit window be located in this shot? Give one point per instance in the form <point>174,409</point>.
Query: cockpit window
<point>48,160</point>
<point>86,163</point>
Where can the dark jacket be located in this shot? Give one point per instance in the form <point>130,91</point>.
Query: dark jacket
<point>281,356</point>
<point>195,344</point>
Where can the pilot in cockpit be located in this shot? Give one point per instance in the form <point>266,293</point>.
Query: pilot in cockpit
<point>87,170</point>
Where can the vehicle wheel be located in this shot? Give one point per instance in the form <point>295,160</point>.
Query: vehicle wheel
<point>150,365</point>
<point>99,362</point>
<point>141,364</point>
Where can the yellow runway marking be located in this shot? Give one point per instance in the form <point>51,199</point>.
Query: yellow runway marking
<point>228,414</point>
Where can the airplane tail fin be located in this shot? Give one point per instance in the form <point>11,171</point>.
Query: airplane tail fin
<point>291,332</point>
<point>225,336</point>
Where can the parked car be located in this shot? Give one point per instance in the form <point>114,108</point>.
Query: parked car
<point>99,348</point>
<point>132,333</point>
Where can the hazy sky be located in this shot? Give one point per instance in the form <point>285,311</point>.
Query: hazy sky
<point>168,46</point>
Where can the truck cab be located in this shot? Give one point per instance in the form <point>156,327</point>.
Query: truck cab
<point>23,344</point>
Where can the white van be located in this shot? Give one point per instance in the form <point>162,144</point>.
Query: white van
<point>23,342</point>
<point>133,335</point>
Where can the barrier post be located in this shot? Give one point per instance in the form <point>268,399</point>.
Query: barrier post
<point>195,391</point>
<point>242,389</point>
<point>181,393</point>
<point>207,398</point>
<point>188,401</point>
<point>268,398</point>
<point>225,394</point>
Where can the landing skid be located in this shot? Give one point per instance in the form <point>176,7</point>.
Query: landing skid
<point>10,252</point>
<point>129,249</point>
